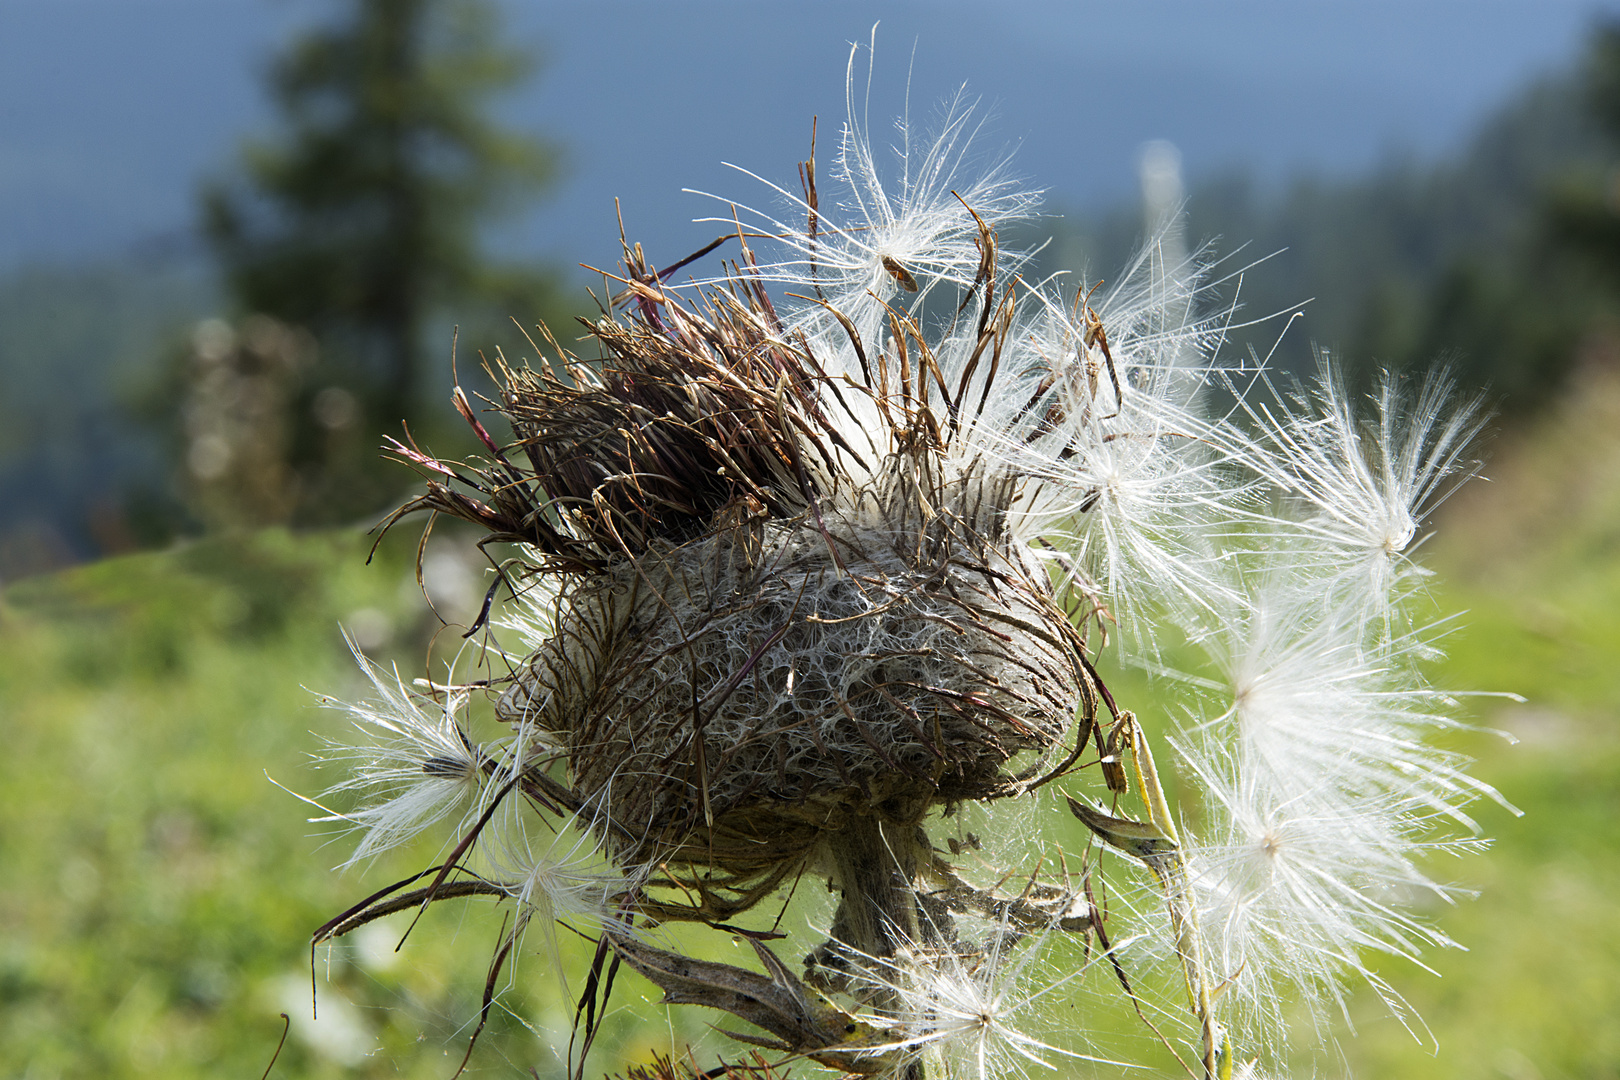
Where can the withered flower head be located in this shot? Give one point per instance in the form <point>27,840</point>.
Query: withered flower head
<point>793,607</point>
<point>812,554</point>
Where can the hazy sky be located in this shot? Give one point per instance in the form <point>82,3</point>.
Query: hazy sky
<point>111,110</point>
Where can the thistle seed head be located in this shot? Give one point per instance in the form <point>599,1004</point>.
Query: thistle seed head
<point>785,584</point>
<point>762,630</point>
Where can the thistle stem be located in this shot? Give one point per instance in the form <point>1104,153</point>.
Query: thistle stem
<point>876,865</point>
<point>876,862</point>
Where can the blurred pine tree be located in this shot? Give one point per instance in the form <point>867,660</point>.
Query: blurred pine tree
<point>363,219</point>
<point>1584,214</point>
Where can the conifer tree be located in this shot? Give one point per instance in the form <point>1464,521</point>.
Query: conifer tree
<point>363,217</point>
<point>1584,216</point>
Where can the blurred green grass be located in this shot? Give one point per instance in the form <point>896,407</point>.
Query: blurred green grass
<point>1532,559</point>
<point>159,890</point>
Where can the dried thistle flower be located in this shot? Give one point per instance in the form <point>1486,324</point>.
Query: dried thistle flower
<point>799,575</point>
<point>771,645</point>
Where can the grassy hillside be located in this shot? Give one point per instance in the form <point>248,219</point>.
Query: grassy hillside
<point>1533,556</point>
<point>160,889</point>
